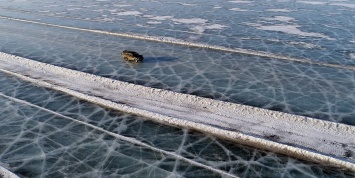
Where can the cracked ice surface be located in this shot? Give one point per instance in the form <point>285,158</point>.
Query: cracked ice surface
<point>321,31</point>
<point>39,139</point>
<point>317,31</point>
<point>298,88</point>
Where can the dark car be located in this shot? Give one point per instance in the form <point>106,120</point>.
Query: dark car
<point>131,56</point>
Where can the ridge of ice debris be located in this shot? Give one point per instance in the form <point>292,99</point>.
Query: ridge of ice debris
<point>311,139</point>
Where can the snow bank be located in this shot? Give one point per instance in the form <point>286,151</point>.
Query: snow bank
<point>4,173</point>
<point>311,139</point>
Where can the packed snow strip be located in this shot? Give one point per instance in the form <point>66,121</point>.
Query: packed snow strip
<point>311,139</point>
<point>4,173</point>
<point>185,43</point>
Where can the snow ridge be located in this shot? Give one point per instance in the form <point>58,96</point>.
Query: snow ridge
<point>311,139</point>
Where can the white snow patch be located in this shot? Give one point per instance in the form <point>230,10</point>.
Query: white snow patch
<point>313,2</point>
<point>215,27</point>
<point>134,13</point>
<point>246,2</point>
<point>158,17</point>
<point>198,29</point>
<point>238,9</point>
<point>98,10</point>
<point>201,28</point>
<point>344,5</point>
<point>154,22</point>
<point>52,5</point>
<point>333,26</point>
<point>278,10</point>
<point>90,6</point>
<point>290,29</point>
<point>74,9</point>
<point>107,19</point>
<point>190,21</point>
<point>352,55</point>
<point>122,5</point>
<point>148,16</point>
<point>305,45</point>
<point>187,4</point>
<point>112,10</point>
<point>280,18</point>
<point>141,25</point>
<point>44,11</point>
<point>301,44</point>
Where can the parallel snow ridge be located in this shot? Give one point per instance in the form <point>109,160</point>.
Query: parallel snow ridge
<point>191,44</point>
<point>311,139</point>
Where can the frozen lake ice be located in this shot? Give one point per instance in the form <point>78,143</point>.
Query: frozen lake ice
<point>296,57</point>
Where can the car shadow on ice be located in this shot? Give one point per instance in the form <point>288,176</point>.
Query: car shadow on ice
<point>159,59</point>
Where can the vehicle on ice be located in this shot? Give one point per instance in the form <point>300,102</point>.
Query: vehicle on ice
<point>131,56</point>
